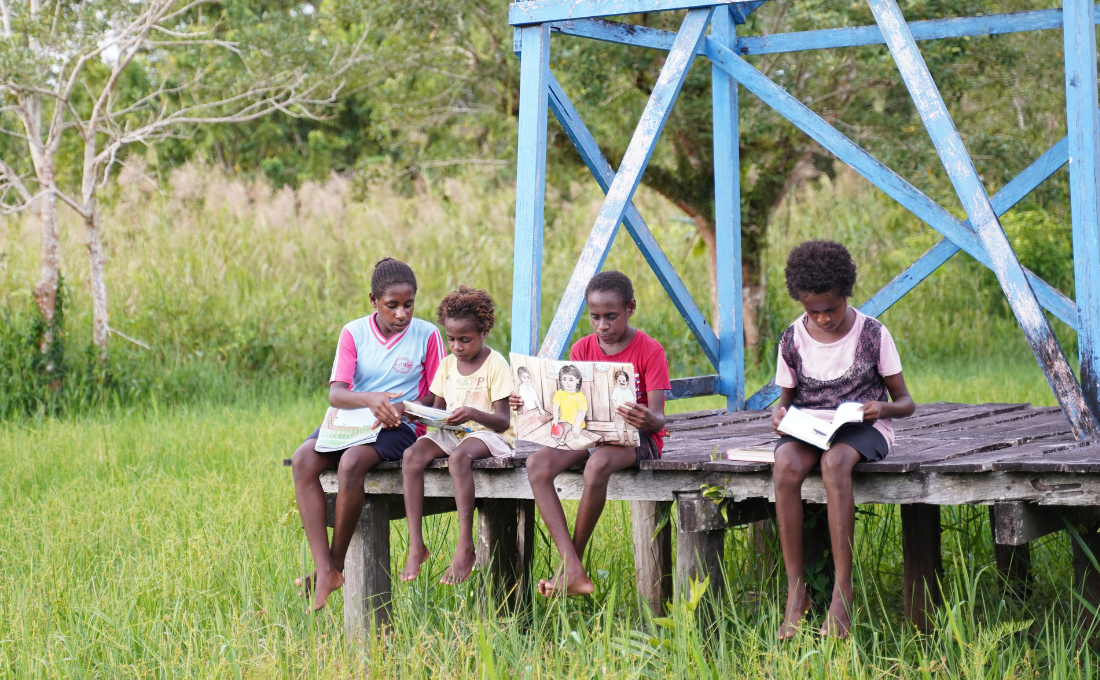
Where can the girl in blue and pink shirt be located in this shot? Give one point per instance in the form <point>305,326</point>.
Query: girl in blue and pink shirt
<point>381,361</point>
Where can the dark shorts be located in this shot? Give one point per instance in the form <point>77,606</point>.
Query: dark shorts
<point>390,445</point>
<point>862,437</point>
<point>646,450</point>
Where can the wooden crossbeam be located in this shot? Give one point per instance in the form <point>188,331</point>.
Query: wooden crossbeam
<point>1083,126</point>
<point>975,201</point>
<point>541,11</point>
<point>825,38</point>
<point>621,191</point>
<point>590,152</point>
<point>1003,201</point>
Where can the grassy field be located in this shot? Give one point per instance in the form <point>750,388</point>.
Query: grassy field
<point>155,543</point>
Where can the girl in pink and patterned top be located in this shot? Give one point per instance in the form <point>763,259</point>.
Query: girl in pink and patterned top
<point>830,355</point>
<point>381,361</point>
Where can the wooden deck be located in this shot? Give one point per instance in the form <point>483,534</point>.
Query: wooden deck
<point>1021,461</point>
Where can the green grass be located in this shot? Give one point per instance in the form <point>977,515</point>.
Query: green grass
<point>149,543</point>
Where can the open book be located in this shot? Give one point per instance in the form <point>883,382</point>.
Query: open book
<point>815,431</point>
<point>432,417</point>
<point>342,428</point>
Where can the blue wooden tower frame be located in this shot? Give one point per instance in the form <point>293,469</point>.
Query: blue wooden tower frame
<point>981,235</point>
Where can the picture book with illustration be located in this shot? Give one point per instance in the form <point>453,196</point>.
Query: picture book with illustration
<point>571,404</point>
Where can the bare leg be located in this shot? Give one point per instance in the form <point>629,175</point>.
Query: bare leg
<point>462,475</point>
<point>603,463</point>
<point>836,472</point>
<point>307,466</point>
<point>793,461</point>
<point>416,459</point>
<point>542,468</point>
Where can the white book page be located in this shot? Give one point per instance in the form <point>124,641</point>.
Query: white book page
<point>848,412</point>
<point>426,411</point>
<point>359,417</point>
<point>809,429</point>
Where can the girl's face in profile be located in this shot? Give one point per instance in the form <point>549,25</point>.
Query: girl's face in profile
<point>569,382</point>
<point>621,380</point>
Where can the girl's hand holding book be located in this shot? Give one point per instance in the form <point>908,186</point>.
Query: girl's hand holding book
<point>461,415</point>
<point>873,410</point>
<point>379,404</point>
<point>639,416</point>
<point>777,416</point>
<point>515,401</point>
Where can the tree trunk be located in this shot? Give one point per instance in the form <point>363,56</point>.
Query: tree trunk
<point>45,291</point>
<point>96,258</point>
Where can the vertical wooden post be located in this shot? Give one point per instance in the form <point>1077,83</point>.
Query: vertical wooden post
<point>920,545</point>
<point>699,551</point>
<point>534,74</point>
<point>505,539</point>
<point>1086,579</point>
<point>367,568</point>
<point>1013,561</point>
<point>727,219</point>
<point>652,556</point>
<point>1083,127</point>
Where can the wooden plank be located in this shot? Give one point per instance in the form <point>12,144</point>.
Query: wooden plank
<point>968,186</point>
<point>621,191</point>
<point>699,555</point>
<point>1017,421</point>
<point>540,11</point>
<point>652,556</point>
<point>367,595</point>
<point>1080,460</point>
<point>505,541</point>
<point>983,462</point>
<point>601,170</point>
<point>921,421</point>
<point>530,189</point>
<point>727,220</point>
<point>1013,561</point>
<point>717,419</point>
<point>675,419</point>
<point>1083,127</point>
<point>878,174</point>
<point>923,568</point>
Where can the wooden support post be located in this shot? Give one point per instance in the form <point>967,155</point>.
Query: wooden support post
<point>920,545</point>
<point>1013,561</point>
<point>1086,579</point>
<point>367,568</point>
<point>652,556</point>
<point>1083,127</point>
<point>727,220</point>
<point>505,541</point>
<point>700,545</point>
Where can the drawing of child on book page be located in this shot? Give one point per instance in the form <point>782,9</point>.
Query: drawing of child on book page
<point>570,406</point>
<point>622,395</point>
<point>528,393</point>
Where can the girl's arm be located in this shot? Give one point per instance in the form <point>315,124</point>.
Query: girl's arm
<point>341,396</point>
<point>651,419</point>
<point>497,421</point>
<point>580,419</point>
<point>557,413</point>
<point>902,406</point>
<point>786,398</point>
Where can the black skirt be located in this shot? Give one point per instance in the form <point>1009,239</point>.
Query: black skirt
<point>863,437</point>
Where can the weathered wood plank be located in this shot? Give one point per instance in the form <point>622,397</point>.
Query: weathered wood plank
<point>951,416</point>
<point>920,544</point>
<point>1013,561</point>
<point>367,594</point>
<point>983,462</point>
<point>652,555</point>
<point>505,542</point>
<point>1080,460</point>
<point>699,554</point>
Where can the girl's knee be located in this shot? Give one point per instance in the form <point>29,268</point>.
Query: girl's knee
<point>838,462</point>
<point>539,469</point>
<point>460,461</point>
<point>357,460</point>
<point>305,461</point>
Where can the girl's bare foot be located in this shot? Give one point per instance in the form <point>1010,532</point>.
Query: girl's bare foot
<point>573,582</point>
<point>798,605</point>
<point>326,584</point>
<point>418,555</point>
<point>461,566</point>
<point>837,622</point>
<point>305,583</point>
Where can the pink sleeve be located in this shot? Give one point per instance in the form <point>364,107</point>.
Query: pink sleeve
<point>889,363</point>
<point>784,375</point>
<point>432,356</point>
<point>343,368</point>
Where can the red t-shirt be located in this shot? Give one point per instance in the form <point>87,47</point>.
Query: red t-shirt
<point>650,367</point>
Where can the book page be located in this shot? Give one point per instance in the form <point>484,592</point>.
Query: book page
<point>359,417</point>
<point>803,426</point>
<point>848,412</point>
<point>426,411</point>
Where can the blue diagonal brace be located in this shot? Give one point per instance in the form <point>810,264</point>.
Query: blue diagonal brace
<point>621,191</point>
<point>875,172</point>
<point>1003,201</point>
<point>975,201</point>
<point>590,152</point>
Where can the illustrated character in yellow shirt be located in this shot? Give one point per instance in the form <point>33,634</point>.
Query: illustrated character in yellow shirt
<point>570,405</point>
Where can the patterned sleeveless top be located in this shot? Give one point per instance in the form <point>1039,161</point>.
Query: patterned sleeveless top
<point>862,382</point>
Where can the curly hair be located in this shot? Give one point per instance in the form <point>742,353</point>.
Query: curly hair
<point>389,272</point>
<point>468,303</point>
<point>820,267</point>
<point>623,374</point>
<point>611,282</point>
<point>570,369</point>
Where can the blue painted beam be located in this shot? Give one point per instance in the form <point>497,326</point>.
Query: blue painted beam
<point>621,191</point>
<point>976,203</point>
<point>699,386</point>
<point>741,12</point>
<point>541,11</point>
<point>1083,126</point>
<point>878,174</point>
<point>590,152</point>
<point>826,38</point>
<point>1003,201</point>
<point>530,189</point>
<point>727,220</point>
